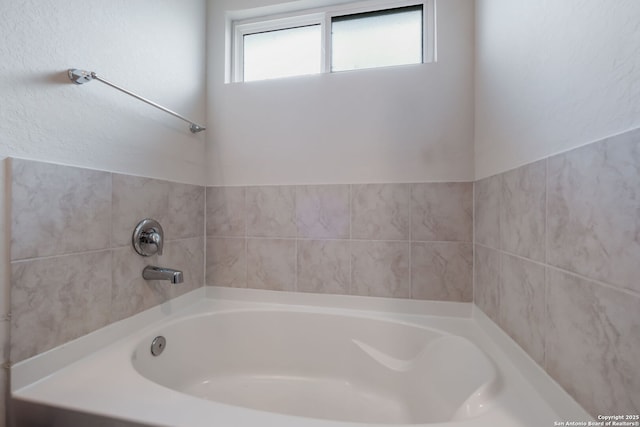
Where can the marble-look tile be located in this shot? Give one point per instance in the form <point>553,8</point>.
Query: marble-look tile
<point>486,283</point>
<point>442,211</point>
<point>322,211</point>
<point>324,266</point>
<point>5,288</point>
<point>271,264</point>
<point>593,343</point>
<point>226,212</point>
<point>131,293</point>
<point>271,211</point>
<point>186,211</point>
<point>227,262</point>
<point>522,304</point>
<point>179,208</point>
<point>55,300</point>
<point>488,193</point>
<point>4,396</point>
<point>594,211</point>
<point>5,326</point>
<point>522,216</point>
<point>380,269</point>
<point>55,208</point>
<point>442,271</point>
<point>136,198</point>
<point>186,255</point>
<point>5,242</point>
<point>380,211</point>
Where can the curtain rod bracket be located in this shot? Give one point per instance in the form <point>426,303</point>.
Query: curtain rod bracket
<point>81,77</point>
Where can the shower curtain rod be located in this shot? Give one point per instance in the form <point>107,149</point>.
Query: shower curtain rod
<point>81,76</point>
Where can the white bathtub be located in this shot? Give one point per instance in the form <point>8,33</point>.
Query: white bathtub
<point>329,366</point>
<point>298,360</point>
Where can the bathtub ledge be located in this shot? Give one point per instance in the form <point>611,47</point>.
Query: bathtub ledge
<point>56,378</point>
<point>42,365</point>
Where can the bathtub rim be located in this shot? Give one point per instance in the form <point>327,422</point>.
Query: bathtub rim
<point>27,373</point>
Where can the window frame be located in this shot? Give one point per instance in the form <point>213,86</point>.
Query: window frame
<point>323,17</point>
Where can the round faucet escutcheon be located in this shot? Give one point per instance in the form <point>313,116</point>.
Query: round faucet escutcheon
<point>148,237</point>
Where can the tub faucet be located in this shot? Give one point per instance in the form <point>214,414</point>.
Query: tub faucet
<point>151,272</point>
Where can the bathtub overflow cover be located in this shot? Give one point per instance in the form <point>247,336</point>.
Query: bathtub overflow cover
<point>157,345</point>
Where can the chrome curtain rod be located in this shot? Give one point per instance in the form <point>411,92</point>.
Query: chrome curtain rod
<point>81,76</point>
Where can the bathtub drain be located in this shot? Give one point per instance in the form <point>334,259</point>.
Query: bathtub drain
<point>157,345</point>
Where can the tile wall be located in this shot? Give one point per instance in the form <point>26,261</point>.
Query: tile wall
<point>73,268</point>
<point>387,240</point>
<point>557,266</point>
<point>4,290</point>
<point>556,248</point>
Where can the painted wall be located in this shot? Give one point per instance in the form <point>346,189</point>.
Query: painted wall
<point>551,76</point>
<point>153,48</point>
<point>402,124</point>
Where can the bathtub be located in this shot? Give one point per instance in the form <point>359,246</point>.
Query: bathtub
<point>257,358</point>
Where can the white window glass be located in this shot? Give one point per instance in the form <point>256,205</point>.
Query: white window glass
<point>282,53</point>
<point>377,39</point>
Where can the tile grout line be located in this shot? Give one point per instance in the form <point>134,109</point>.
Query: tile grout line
<point>49,257</point>
<point>473,243</point>
<point>350,284</point>
<point>325,239</point>
<point>500,309</point>
<point>246,238</point>
<point>93,251</point>
<point>545,321</point>
<point>411,293</point>
<point>204,243</point>
<point>111,244</point>
<point>295,245</point>
<point>546,211</point>
<point>561,270</point>
<point>545,326</point>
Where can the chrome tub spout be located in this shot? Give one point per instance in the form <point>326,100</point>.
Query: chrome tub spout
<point>151,272</point>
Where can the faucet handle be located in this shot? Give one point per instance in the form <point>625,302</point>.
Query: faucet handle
<point>148,237</point>
<point>152,238</point>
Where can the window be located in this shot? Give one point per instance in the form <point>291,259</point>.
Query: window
<point>282,53</point>
<point>377,39</point>
<point>347,37</point>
